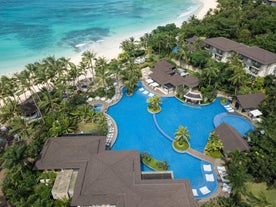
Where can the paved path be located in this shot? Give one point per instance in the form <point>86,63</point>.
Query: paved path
<point>200,155</point>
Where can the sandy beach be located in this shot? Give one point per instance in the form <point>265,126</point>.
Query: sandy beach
<point>110,47</point>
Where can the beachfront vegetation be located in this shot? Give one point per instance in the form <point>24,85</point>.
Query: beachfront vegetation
<point>62,108</point>
<point>154,104</point>
<point>181,142</point>
<point>152,163</point>
<point>214,146</point>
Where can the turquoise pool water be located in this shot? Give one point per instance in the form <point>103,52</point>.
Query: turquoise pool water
<point>241,124</point>
<point>137,131</point>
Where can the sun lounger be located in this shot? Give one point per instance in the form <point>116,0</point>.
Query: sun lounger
<point>207,168</point>
<point>151,95</point>
<point>141,89</point>
<point>226,188</point>
<point>195,192</point>
<point>209,177</point>
<point>221,168</point>
<point>145,92</point>
<point>204,190</point>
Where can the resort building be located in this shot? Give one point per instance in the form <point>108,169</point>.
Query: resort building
<point>93,176</point>
<point>257,61</point>
<point>249,102</point>
<point>169,78</point>
<point>231,139</point>
<point>270,2</point>
<point>221,48</point>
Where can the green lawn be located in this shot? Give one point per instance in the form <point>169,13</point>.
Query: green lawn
<point>258,188</point>
<point>90,128</point>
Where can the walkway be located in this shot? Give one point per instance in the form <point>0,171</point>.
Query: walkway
<point>200,155</point>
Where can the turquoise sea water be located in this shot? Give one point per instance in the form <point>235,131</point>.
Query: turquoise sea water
<point>33,29</point>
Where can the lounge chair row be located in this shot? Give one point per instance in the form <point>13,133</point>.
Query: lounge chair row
<point>223,175</point>
<point>144,91</point>
<point>204,190</point>
<point>229,108</point>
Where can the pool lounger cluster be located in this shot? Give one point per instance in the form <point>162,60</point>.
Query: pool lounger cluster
<point>209,177</point>
<point>229,108</point>
<point>204,190</point>
<point>142,90</point>
<point>110,132</point>
<point>223,174</point>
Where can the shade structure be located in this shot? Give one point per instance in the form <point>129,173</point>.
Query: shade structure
<point>255,113</point>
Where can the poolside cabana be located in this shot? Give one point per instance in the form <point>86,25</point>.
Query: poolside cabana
<point>255,113</point>
<point>248,102</point>
<point>28,110</point>
<point>107,177</point>
<point>193,97</point>
<point>231,139</point>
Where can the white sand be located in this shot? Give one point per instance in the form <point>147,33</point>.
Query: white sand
<point>206,5</point>
<point>110,47</point>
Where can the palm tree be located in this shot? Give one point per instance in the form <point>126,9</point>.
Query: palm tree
<point>237,173</point>
<point>89,56</point>
<point>129,46</point>
<point>115,67</point>
<point>211,71</point>
<point>214,143</point>
<point>154,103</point>
<point>102,71</point>
<point>239,76</point>
<point>182,134</point>
<point>27,83</point>
<point>15,155</point>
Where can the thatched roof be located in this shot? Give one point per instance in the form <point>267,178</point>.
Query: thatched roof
<point>250,101</point>
<point>231,138</point>
<point>110,177</point>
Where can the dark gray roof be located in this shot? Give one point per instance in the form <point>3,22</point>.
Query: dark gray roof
<point>257,54</point>
<point>223,43</point>
<point>27,108</point>
<point>231,139</point>
<point>110,177</point>
<point>191,40</point>
<point>191,81</point>
<point>163,73</point>
<point>250,101</point>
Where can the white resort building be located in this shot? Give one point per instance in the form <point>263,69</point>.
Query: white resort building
<point>257,61</point>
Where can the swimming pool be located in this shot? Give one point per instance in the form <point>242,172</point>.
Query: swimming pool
<point>241,124</point>
<point>137,131</point>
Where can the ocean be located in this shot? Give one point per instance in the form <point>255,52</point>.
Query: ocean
<point>33,29</point>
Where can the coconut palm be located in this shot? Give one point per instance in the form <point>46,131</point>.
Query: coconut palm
<point>182,134</point>
<point>115,68</point>
<point>102,71</point>
<point>88,57</point>
<point>129,46</point>
<point>211,71</point>
<point>239,76</point>
<point>154,103</point>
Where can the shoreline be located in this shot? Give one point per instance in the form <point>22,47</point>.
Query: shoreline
<point>110,47</point>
